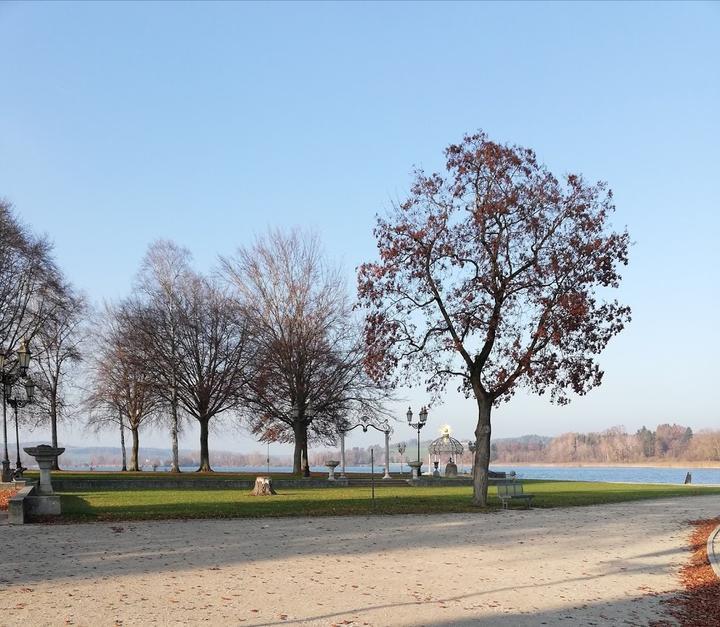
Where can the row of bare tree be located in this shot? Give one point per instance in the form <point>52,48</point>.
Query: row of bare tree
<point>269,338</point>
<point>38,305</point>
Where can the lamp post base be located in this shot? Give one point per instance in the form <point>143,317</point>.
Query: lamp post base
<point>6,474</point>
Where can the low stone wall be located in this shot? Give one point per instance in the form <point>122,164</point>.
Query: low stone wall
<point>62,484</point>
<point>14,484</point>
<point>25,504</point>
<point>19,505</point>
<point>43,506</point>
<point>428,481</point>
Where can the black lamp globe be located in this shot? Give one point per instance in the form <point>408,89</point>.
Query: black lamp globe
<point>23,355</point>
<point>423,415</point>
<point>30,389</point>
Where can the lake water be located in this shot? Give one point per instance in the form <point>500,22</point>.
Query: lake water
<point>621,474</point>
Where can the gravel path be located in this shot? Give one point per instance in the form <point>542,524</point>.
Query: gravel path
<point>577,566</point>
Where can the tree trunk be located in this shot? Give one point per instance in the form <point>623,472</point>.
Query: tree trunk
<point>204,449</point>
<point>482,452</point>
<point>306,461</point>
<point>300,447</point>
<point>175,467</point>
<point>53,431</point>
<point>122,444</point>
<point>134,466</point>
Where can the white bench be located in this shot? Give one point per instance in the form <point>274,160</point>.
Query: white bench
<point>513,491</point>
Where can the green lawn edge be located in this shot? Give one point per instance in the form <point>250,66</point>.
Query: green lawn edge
<point>160,504</point>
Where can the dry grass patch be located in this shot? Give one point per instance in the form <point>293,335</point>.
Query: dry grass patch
<point>699,604</point>
<point>5,496</point>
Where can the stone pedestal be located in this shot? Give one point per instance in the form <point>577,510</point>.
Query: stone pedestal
<point>332,465</point>
<point>44,456</point>
<point>451,469</point>
<point>416,469</point>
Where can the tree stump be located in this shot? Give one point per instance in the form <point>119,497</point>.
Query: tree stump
<point>263,487</point>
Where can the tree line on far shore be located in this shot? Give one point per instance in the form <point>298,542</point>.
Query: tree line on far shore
<point>666,442</point>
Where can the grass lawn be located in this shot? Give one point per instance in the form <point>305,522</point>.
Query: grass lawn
<point>165,504</point>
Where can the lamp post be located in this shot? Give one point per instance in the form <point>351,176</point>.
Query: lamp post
<point>8,378</point>
<point>16,402</point>
<point>6,458</point>
<point>417,425</point>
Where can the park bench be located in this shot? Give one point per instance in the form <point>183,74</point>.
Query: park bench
<point>513,491</point>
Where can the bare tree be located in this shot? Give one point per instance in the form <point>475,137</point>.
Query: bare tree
<point>122,386</point>
<point>308,377</point>
<point>29,281</point>
<point>57,348</point>
<point>164,270</point>
<point>214,354</point>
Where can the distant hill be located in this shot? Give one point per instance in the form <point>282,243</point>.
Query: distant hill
<point>525,440</point>
<point>99,456</point>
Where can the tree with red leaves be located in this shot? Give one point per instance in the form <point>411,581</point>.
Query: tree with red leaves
<point>492,274</point>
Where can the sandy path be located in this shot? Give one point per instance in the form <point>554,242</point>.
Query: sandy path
<point>579,566</point>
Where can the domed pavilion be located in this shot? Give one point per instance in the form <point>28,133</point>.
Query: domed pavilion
<point>445,448</point>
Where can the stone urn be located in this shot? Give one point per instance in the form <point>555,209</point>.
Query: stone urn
<point>44,455</point>
<point>416,469</point>
<point>332,465</point>
<point>436,472</point>
<point>451,469</point>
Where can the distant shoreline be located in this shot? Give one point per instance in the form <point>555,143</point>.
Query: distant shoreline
<point>658,464</point>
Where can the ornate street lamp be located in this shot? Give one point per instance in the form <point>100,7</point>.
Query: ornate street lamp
<point>417,426</point>
<point>8,378</point>
<point>16,403</point>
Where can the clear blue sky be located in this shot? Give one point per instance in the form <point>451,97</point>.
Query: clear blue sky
<point>205,123</point>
